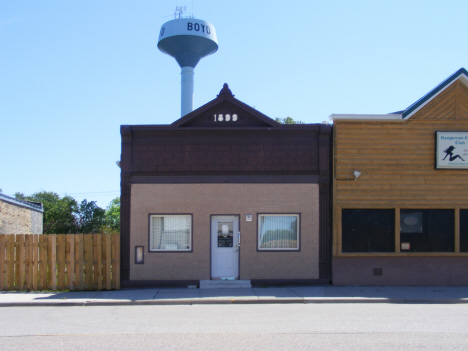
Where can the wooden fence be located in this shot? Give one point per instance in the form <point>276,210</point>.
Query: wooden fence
<point>59,262</point>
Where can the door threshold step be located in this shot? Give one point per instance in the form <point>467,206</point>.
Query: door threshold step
<point>225,284</point>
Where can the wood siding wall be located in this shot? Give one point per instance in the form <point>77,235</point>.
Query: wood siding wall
<point>397,165</point>
<point>397,161</point>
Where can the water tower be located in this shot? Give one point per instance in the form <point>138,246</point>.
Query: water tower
<point>188,40</point>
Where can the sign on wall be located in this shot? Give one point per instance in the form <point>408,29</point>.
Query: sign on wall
<point>452,150</point>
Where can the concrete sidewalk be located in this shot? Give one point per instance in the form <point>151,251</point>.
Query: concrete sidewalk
<point>270,295</point>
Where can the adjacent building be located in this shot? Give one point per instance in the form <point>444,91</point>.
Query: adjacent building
<point>20,217</point>
<point>400,192</point>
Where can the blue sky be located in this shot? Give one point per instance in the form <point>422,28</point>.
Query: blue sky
<point>72,72</point>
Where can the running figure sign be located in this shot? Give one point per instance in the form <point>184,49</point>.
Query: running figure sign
<point>452,150</point>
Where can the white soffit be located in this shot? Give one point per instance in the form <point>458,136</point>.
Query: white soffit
<point>348,117</point>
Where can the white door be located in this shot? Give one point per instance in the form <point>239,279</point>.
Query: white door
<point>225,247</point>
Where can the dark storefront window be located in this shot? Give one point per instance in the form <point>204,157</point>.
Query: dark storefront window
<point>463,230</point>
<point>366,230</point>
<point>427,231</point>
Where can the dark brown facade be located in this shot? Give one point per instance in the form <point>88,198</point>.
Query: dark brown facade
<point>225,142</point>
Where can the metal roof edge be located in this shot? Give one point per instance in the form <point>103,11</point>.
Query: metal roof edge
<point>416,106</point>
<point>36,206</point>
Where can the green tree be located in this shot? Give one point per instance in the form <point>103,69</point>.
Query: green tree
<point>65,216</point>
<point>112,220</point>
<point>90,217</point>
<point>59,213</point>
<point>287,120</point>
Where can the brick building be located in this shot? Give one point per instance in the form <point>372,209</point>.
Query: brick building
<point>20,217</point>
<point>225,174</point>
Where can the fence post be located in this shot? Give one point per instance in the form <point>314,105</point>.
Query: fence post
<point>30,258</point>
<point>79,262</point>
<point>19,262</point>
<point>61,261</point>
<point>117,256</point>
<point>70,260</point>
<point>52,254</point>
<point>43,259</point>
<point>10,261</point>
<point>2,260</point>
<point>108,261</point>
<point>27,262</point>
<point>115,261</point>
<point>35,255</point>
<point>97,261</point>
<point>88,261</point>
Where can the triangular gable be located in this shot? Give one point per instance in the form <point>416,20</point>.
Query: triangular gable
<point>449,100</point>
<point>225,111</point>
<point>451,104</point>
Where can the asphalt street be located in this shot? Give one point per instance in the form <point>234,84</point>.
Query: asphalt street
<point>237,327</point>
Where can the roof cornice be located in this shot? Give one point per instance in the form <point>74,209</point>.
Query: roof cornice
<point>225,95</point>
<point>36,206</point>
<point>461,74</point>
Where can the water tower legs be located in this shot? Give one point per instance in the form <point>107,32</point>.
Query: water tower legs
<point>187,75</point>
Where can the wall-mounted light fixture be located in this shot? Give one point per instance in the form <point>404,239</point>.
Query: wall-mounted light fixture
<point>357,174</point>
<point>139,254</point>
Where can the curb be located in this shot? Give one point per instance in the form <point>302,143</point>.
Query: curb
<point>233,301</point>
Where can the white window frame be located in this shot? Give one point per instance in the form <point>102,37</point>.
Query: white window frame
<point>175,244</point>
<point>298,217</point>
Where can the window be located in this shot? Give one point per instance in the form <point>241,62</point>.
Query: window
<point>278,231</point>
<point>427,230</point>
<point>463,230</point>
<point>170,233</point>
<point>365,230</point>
